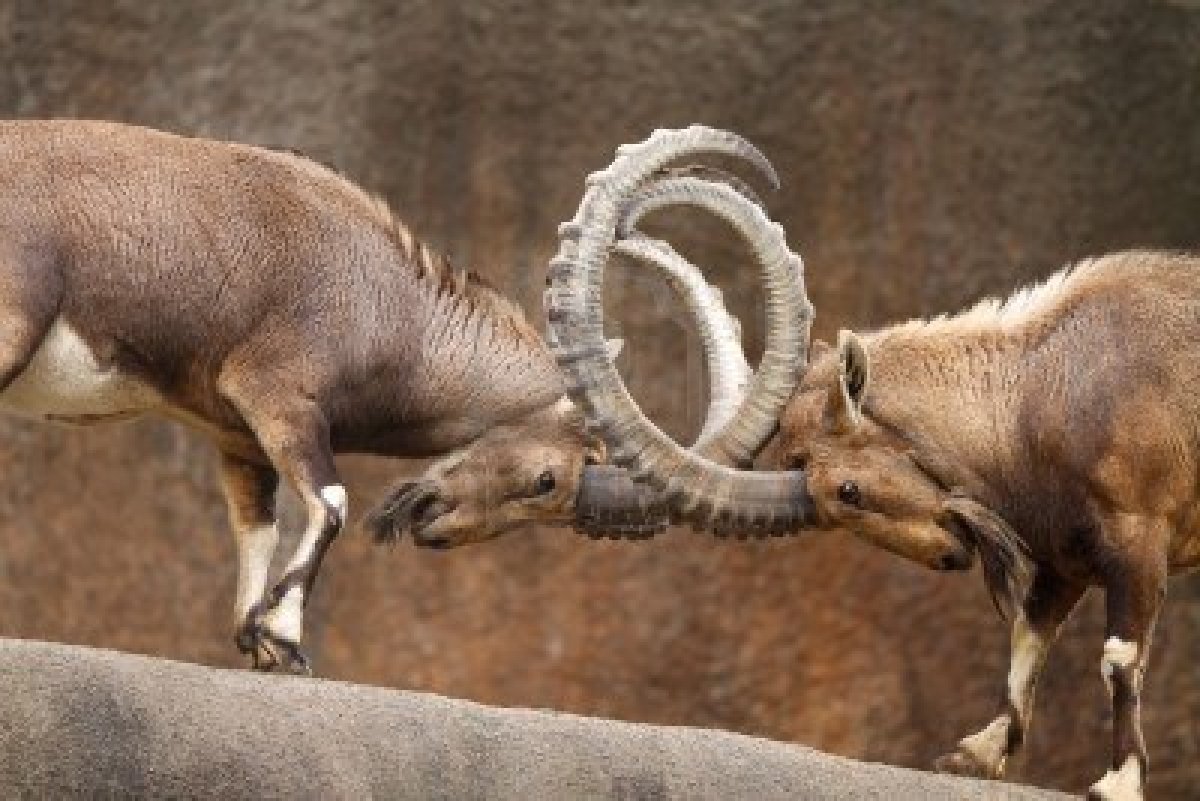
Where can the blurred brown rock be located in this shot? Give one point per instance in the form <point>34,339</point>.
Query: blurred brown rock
<point>931,153</point>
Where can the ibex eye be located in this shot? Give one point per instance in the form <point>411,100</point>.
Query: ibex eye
<point>849,494</point>
<point>545,483</point>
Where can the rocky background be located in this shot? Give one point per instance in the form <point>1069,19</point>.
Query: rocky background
<point>931,153</point>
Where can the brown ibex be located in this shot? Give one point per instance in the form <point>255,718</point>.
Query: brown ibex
<point>275,307</point>
<point>1056,433</point>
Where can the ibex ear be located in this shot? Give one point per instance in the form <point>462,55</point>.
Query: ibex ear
<point>613,348</point>
<point>854,373</point>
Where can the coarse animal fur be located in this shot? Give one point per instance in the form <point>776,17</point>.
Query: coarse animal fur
<point>270,304</point>
<point>1068,414</point>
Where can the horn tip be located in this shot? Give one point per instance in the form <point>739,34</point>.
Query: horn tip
<point>597,177</point>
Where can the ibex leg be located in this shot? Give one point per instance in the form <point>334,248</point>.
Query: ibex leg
<point>250,495</point>
<point>1135,579</point>
<point>987,752</point>
<point>293,433</point>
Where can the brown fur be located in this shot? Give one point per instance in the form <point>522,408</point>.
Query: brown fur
<point>272,305</point>
<point>1071,412</point>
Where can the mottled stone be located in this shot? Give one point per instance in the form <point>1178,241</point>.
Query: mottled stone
<point>86,723</point>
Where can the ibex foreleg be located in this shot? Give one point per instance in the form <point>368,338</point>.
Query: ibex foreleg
<point>294,435</point>
<point>1034,630</point>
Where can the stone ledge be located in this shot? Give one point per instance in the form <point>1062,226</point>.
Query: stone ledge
<point>86,722</point>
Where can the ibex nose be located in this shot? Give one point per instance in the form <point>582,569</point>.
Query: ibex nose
<point>425,510</point>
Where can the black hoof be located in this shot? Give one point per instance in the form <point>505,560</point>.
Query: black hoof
<point>271,653</point>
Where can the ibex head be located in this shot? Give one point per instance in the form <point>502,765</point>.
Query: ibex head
<point>864,478</point>
<point>529,470</point>
<point>834,468</point>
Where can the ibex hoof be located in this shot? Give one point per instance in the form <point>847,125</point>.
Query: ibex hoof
<point>271,653</point>
<point>962,763</point>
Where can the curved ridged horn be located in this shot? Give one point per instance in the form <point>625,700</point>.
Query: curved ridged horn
<point>735,444</point>
<point>720,333</point>
<point>611,504</point>
<point>698,489</point>
<point>712,174</point>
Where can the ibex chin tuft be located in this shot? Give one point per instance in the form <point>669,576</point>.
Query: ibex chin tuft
<point>1057,434</point>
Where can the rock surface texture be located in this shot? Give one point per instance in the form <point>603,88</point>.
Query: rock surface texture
<point>931,153</point>
<point>85,723</point>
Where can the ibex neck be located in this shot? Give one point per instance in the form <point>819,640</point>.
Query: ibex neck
<point>454,357</point>
<point>490,365</point>
<point>951,396</point>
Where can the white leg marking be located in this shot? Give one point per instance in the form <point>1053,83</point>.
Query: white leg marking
<point>1028,654</point>
<point>256,546</point>
<point>1118,655</point>
<point>1124,784</point>
<point>286,619</point>
<point>335,496</point>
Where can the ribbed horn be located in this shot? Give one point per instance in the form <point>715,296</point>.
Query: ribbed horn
<point>729,373</point>
<point>698,489</point>
<point>611,504</point>
<point>745,433</point>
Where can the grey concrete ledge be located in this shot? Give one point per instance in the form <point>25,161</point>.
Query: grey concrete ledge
<point>82,722</point>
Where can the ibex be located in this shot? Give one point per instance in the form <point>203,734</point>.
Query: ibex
<point>1057,433</point>
<point>270,304</point>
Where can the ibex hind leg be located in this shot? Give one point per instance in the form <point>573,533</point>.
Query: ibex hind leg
<point>249,488</point>
<point>1134,580</point>
<point>292,431</point>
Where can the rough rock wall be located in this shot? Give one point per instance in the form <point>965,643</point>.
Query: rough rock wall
<point>931,153</point>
